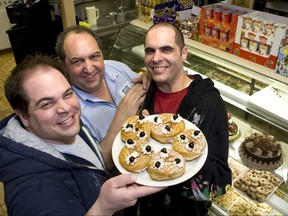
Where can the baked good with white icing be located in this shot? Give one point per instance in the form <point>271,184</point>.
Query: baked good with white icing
<point>166,165</point>
<point>135,155</point>
<point>166,126</point>
<point>190,144</point>
<point>136,127</point>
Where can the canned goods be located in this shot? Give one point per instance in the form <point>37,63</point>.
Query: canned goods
<point>217,15</point>
<point>209,13</point>
<point>223,36</point>
<point>247,21</point>
<point>263,49</point>
<point>215,33</point>
<point>267,28</point>
<point>256,25</point>
<point>252,46</point>
<point>226,17</point>
<point>244,43</point>
<point>234,17</point>
<point>208,31</point>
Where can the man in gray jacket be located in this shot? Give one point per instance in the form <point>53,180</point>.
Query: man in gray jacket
<point>49,163</point>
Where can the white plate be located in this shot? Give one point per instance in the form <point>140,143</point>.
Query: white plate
<point>143,178</point>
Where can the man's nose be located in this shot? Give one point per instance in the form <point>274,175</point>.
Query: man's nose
<point>88,64</point>
<point>63,106</point>
<point>157,56</point>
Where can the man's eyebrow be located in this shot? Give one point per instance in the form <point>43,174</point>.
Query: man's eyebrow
<point>161,48</point>
<point>50,98</point>
<point>148,49</point>
<point>167,47</point>
<point>81,57</point>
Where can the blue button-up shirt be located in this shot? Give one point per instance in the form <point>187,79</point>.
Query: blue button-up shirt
<point>97,114</point>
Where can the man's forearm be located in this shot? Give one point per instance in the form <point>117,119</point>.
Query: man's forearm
<point>107,142</point>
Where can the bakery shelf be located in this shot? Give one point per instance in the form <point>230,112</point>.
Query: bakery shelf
<point>233,62</point>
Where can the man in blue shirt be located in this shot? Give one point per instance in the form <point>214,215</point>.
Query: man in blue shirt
<point>104,87</point>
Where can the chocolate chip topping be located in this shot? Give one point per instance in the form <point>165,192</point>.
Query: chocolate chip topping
<point>130,142</point>
<point>177,160</point>
<point>157,164</point>
<point>132,159</point>
<point>182,136</point>
<point>141,117</point>
<point>164,150</point>
<point>168,128</point>
<point>175,116</point>
<point>191,145</point>
<point>156,119</point>
<point>142,134</point>
<point>148,148</point>
<point>129,126</point>
<point>196,132</point>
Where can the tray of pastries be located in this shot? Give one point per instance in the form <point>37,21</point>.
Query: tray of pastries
<point>243,206</point>
<point>226,200</point>
<point>257,185</point>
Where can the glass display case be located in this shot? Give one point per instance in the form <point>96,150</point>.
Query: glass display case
<point>256,97</point>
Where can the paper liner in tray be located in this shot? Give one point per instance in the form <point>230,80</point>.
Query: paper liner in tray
<point>236,204</point>
<point>236,168</point>
<point>257,185</point>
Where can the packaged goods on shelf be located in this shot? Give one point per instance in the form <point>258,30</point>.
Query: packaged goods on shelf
<point>260,36</point>
<point>189,27</point>
<point>169,17</point>
<point>149,11</point>
<point>155,11</point>
<point>282,61</point>
<point>218,25</point>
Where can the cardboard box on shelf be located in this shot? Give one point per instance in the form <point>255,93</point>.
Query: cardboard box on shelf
<point>155,11</point>
<point>218,25</point>
<point>260,36</point>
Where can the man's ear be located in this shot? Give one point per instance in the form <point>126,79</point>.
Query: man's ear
<point>184,53</point>
<point>23,117</point>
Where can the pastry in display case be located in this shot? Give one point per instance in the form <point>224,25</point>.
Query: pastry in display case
<point>256,186</point>
<point>238,80</point>
<point>226,200</point>
<point>261,151</point>
<point>243,206</point>
<point>233,129</point>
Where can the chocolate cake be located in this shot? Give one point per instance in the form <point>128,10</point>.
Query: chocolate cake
<point>261,151</point>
